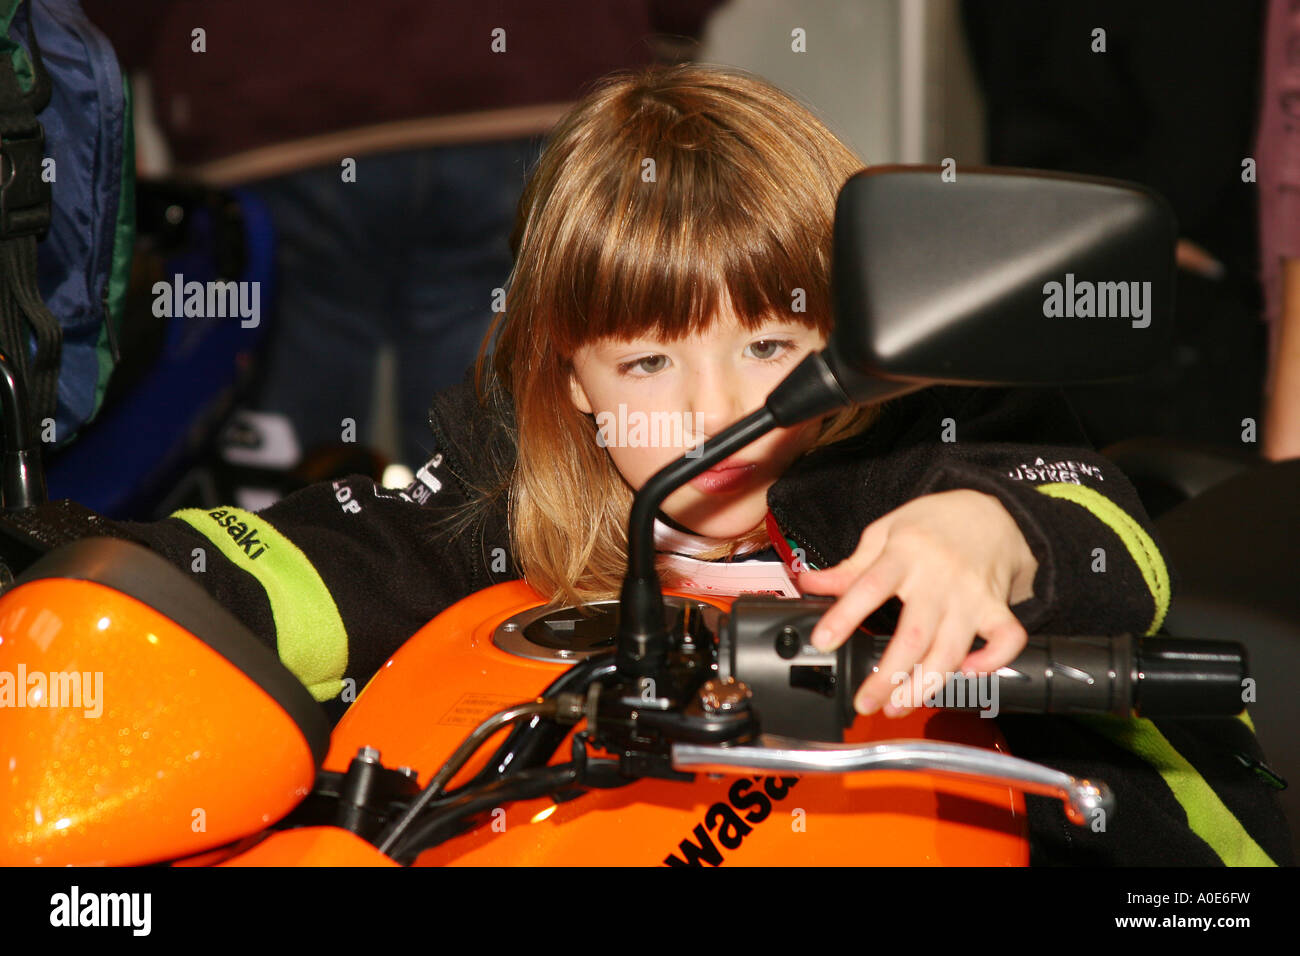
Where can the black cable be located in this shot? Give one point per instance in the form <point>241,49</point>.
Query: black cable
<point>444,818</point>
<point>533,743</point>
<point>391,835</point>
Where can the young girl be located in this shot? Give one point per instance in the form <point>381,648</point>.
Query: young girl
<point>672,256</point>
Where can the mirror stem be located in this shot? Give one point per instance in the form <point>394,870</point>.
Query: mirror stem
<point>811,389</point>
<point>642,632</point>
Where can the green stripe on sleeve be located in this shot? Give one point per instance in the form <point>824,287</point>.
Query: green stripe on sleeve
<point>310,636</point>
<point>1144,551</point>
<point>1207,816</point>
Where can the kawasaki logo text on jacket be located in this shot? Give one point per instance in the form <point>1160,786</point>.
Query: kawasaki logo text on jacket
<point>245,535</point>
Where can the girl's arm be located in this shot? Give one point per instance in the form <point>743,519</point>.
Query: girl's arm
<point>336,576</point>
<point>1098,564</point>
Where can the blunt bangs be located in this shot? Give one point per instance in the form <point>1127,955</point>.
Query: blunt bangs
<point>686,203</point>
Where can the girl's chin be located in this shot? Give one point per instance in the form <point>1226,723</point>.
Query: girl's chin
<point>706,518</point>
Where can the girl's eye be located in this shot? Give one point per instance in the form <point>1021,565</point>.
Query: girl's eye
<point>770,348</point>
<point>647,365</point>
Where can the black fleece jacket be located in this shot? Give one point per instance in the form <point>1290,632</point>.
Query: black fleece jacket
<point>338,575</point>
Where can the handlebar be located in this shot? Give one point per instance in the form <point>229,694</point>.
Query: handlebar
<point>750,694</point>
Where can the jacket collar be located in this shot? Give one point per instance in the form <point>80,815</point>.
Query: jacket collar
<point>475,440</point>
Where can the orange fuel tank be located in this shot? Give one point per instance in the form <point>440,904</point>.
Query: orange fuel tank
<point>450,676</point>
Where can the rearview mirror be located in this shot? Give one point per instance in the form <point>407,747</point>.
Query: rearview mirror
<point>997,276</point>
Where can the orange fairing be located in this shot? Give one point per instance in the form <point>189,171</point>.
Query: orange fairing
<point>450,676</point>
<point>125,739</point>
<point>312,846</point>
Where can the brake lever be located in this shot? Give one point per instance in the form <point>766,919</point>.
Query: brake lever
<point>1082,798</point>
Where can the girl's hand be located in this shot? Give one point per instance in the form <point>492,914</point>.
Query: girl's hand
<point>957,561</point>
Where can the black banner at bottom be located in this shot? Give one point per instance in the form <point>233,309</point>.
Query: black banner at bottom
<point>333,905</point>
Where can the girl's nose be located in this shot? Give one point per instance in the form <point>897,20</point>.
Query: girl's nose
<point>718,399</point>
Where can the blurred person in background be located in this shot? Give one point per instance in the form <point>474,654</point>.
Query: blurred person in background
<point>390,141</point>
<point>1278,150</point>
<point>1169,101</point>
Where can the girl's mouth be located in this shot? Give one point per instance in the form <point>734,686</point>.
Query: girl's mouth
<point>723,477</point>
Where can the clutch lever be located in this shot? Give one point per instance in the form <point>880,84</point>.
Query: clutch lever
<point>1082,798</point>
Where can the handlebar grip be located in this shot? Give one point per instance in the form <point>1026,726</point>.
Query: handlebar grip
<point>1122,676</point>
<point>1180,677</point>
<point>802,692</point>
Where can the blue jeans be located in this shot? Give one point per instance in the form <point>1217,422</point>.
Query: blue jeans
<point>409,253</point>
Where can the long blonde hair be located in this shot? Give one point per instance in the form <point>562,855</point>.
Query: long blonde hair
<point>662,191</point>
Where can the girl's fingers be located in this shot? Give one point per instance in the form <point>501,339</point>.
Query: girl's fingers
<point>828,580</point>
<point>1005,637</point>
<point>912,639</point>
<point>870,590</point>
<point>952,643</point>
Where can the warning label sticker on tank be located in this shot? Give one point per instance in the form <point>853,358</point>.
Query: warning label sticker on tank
<point>472,709</point>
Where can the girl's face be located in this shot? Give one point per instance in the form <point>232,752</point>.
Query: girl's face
<point>675,395</point>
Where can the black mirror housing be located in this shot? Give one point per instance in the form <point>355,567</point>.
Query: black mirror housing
<point>998,276</point>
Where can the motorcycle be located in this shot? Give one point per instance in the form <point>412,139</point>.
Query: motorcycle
<point>664,728</point>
